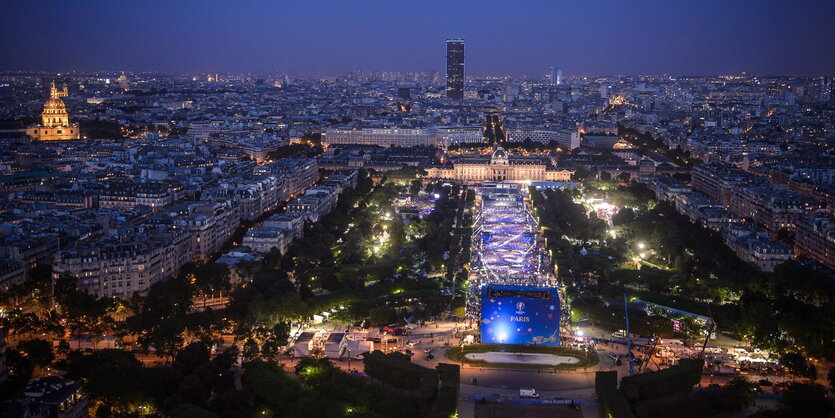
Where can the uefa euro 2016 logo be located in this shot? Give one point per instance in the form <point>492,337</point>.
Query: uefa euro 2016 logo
<point>520,307</point>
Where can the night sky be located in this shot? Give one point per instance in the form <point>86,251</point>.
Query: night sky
<point>512,37</point>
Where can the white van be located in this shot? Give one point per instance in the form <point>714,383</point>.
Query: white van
<point>528,393</point>
<point>712,349</point>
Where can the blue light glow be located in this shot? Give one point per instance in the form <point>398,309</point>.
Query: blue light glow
<point>527,315</point>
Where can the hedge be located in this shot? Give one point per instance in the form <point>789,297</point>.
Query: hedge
<point>678,378</point>
<point>708,402</point>
<point>612,402</point>
<point>429,385</point>
<point>450,375</point>
<point>397,369</point>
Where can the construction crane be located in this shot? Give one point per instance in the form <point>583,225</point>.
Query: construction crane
<point>628,335</point>
<point>709,331</point>
<point>648,355</point>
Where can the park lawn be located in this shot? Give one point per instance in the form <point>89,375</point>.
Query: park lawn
<point>458,354</point>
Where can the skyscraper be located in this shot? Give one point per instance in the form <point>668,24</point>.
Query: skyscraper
<point>556,76</point>
<point>455,69</point>
<point>404,93</point>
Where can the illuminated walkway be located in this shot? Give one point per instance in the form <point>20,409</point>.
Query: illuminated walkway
<point>507,246</point>
<point>506,240</point>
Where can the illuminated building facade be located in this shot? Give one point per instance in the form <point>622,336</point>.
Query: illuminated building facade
<point>500,166</point>
<point>55,121</point>
<point>455,69</point>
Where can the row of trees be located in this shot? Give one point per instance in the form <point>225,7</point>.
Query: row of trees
<point>646,142</point>
<point>559,216</point>
<point>787,310</point>
<point>324,391</point>
<point>328,257</point>
<point>199,386</point>
<point>120,385</point>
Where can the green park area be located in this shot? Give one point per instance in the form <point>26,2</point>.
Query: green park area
<point>653,253</point>
<point>584,359</point>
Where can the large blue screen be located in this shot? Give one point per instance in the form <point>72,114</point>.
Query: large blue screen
<point>528,315</point>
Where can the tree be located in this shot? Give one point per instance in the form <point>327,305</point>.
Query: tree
<point>251,350</point>
<point>189,410</point>
<point>280,333</point>
<point>415,186</point>
<point>273,339</point>
<point>397,237</point>
<point>63,347</point>
<point>211,278</point>
<point>193,390</point>
<point>166,337</point>
<point>382,315</point>
<point>580,173</point>
<point>271,386</point>
<point>830,376</point>
<point>112,376</point>
<point>38,351</point>
<point>270,349</point>
<point>84,312</point>
<point>161,320</point>
<point>19,371</point>
<point>624,216</point>
<point>192,356</point>
<point>796,364</point>
<point>234,403</point>
<point>807,400</point>
<point>40,278</point>
<point>330,281</point>
<point>743,388</point>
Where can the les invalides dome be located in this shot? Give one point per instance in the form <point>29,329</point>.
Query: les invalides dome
<point>55,121</point>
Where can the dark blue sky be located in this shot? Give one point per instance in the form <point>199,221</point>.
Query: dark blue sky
<point>512,37</point>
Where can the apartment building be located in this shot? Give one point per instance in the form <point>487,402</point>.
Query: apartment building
<point>122,265</point>
<point>815,238</point>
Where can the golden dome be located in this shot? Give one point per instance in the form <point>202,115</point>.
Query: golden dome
<point>54,105</point>
<point>55,124</point>
<point>54,110</point>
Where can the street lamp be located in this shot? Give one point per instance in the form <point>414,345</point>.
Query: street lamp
<point>641,245</point>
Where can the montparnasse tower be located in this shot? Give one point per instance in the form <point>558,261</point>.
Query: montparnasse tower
<point>55,121</point>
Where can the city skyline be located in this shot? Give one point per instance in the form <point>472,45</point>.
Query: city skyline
<point>332,38</point>
<point>436,209</point>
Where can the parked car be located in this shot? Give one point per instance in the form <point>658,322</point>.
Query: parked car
<point>528,393</point>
